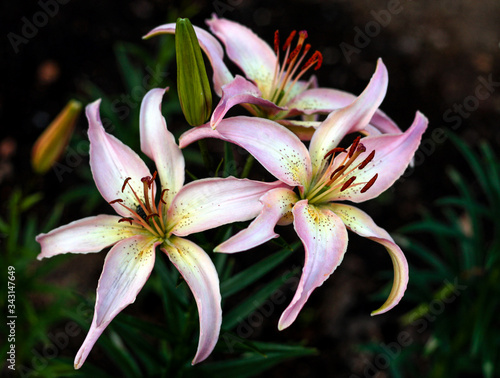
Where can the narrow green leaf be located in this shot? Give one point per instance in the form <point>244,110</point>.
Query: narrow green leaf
<point>248,276</point>
<point>252,364</point>
<point>254,301</point>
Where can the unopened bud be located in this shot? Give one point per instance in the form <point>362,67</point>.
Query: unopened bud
<point>53,141</point>
<point>193,86</point>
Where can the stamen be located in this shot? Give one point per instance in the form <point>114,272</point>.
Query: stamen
<point>126,220</point>
<point>125,183</point>
<point>152,215</point>
<point>336,171</point>
<point>348,183</point>
<point>367,160</point>
<point>293,54</point>
<point>289,39</point>
<point>354,145</point>
<point>320,60</point>
<point>302,36</point>
<point>162,194</point>
<point>317,58</point>
<point>334,151</point>
<point>147,183</point>
<point>115,201</point>
<point>287,74</point>
<point>369,183</point>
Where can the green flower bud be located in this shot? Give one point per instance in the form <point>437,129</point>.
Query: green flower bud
<point>192,82</point>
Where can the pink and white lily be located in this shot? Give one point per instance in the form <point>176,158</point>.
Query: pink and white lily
<point>149,217</point>
<point>325,175</point>
<point>271,89</point>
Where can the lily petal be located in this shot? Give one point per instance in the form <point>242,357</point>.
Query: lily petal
<point>276,209</point>
<point>254,56</point>
<point>126,269</point>
<point>274,146</point>
<point>199,272</point>
<point>86,235</point>
<point>208,203</point>
<point>362,224</point>
<point>112,162</point>
<point>159,144</point>
<point>212,49</point>
<point>352,118</point>
<point>326,100</point>
<point>325,241</point>
<point>393,153</point>
<point>239,91</point>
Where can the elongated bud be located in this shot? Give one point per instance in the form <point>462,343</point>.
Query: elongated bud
<point>53,141</point>
<point>192,82</point>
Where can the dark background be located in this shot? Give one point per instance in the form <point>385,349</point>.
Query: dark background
<point>437,52</point>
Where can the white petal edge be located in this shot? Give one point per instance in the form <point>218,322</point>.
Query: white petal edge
<point>126,269</point>
<point>87,235</point>
<point>354,117</point>
<point>273,145</point>
<point>325,242</point>
<point>276,209</point>
<point>159,144</point>
<point>208,203</point>
<point>112,162</point>
<point>201,276</point>
<point>362,224</point>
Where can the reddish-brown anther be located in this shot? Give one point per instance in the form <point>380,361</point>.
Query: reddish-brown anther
<point>369,183</point>
<point>367,160</point>
<point>348,183</point>
<point>334,151</point>
<point>354,145</point>
<point>125,183</point>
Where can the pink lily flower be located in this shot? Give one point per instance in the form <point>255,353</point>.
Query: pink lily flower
<point>271,89</point>
<point>325,175</point>
<point>141,225</point>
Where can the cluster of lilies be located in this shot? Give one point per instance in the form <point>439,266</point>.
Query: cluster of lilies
<point>315,174</point>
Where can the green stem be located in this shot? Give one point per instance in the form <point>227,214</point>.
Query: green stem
<point>205,155</point>
<point>248,166</point>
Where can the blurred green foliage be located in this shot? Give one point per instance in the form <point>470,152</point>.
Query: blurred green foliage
<point>454,327</point>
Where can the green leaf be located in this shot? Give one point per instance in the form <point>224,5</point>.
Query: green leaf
<point>232,318</point>
<point>251,364</point>
<point>250,275</point>
<point>474,163</point>
<point>30,200</point>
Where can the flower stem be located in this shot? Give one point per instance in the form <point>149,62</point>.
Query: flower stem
<point>248,166</point>
<point>205,155</point>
